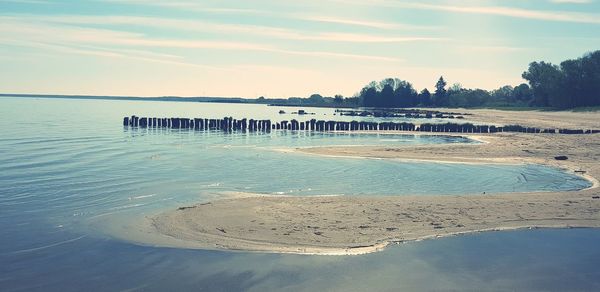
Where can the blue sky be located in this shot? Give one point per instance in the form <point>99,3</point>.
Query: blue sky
<point>281,48</point>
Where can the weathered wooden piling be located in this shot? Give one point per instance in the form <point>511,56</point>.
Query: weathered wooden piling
<point>229,124</point>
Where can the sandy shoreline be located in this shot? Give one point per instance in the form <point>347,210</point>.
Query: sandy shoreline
<point>502,152</point>
<point>541,119</point>
<point>342,225</point>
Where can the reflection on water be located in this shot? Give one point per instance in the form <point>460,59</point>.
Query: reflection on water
<point>64,162</point>
<point>546,260</point>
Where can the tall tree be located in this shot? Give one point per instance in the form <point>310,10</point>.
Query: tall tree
<point>368,96</point>
<point>582,79</point>
<point>339,99</point>
<point>404,94</point>
<point>591,84</point>
<point>316,98</point>
<point>545,80</point>
<point>522,93</point>
<point>504,95</point>
<point>440,92</point>
<point>386,96</point>
<point>425,97</point>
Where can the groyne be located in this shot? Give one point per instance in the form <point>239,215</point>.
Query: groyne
<point>229,124</point>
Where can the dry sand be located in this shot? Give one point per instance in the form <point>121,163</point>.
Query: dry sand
<point>356,225</point>
<point>540,119</point>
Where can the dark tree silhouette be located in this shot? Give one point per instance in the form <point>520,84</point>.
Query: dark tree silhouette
<point>545,80</point>
<point>522,94</point>
<point>339,99</point>
<point>425,97</point>
<point>440,96</point>
<point>572,84</point>
<point>390,92</point>
<point>575,83</point>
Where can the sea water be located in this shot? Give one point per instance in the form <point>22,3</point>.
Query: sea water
<point>65,162</point>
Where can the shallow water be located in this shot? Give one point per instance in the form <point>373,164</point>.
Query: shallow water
<point>531,260</point>
<point>65,162</point>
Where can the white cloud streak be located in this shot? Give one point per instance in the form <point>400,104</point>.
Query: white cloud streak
<point>514,12</point>
<point>210,27</point>
<point>42,32</point>
<point>492,49</point>
<point>26,1</point>
<point>545,15</point>
<point>361,22</point>
<point>195,6</point>
<point>189,5</point>
<point>137,55</point>
<point>572,1</point>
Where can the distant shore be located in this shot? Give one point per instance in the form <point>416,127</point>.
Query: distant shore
<point>343,225</point>
<point>513,115</point>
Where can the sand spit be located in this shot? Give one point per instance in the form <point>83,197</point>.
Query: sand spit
<point>357,225</point>
<point>341,225</point>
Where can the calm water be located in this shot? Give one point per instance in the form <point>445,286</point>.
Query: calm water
<point>64,163</point>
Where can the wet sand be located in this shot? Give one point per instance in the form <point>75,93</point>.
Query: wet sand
<point>342,225</point>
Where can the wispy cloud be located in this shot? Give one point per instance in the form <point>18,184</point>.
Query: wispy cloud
<point>514,12</point>
<point>491,49</point>
<point>336,55</point>
<point>26,1</point>
<point>137,55</point>
<point>546,15</point>
<point>199,7</point>
<point>572,1</point>
<point>42,32</point>
<point>189,5</point>
<point>361,22</point>
<point>359,38</point>
<point>221,28</point>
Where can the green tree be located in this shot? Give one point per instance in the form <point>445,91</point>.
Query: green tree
<point>522,94</point>
<point>591,79</point>
<point>339,99</point>
<point>440,96</point>
<point>503,95</point>
<point>405,94</point>
<point>545,80</point>
<point>581,79</point>
<point>368,95</point>
<point>425,97</point>
<point>389,92</point>
<point>316,99</point>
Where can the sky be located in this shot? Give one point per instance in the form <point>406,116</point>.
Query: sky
<point>280,48</point>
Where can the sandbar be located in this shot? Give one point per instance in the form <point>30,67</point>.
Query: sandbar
<point>349,225</point>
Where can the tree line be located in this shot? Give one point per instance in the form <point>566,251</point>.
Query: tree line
<point>573,83</point>
<point>393,92</point>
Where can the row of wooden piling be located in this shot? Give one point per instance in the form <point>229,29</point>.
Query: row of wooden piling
<point>228,124</point>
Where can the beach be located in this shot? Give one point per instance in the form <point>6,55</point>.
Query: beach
<point>344,225</point>
<point>533,118</point>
